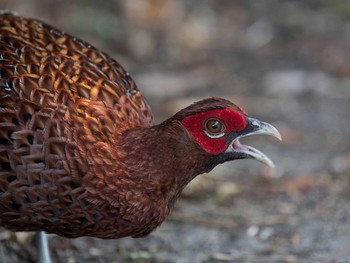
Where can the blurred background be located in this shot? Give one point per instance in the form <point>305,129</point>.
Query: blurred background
<point>285,62</point>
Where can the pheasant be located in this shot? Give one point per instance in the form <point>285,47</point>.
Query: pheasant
<point>79,152</point>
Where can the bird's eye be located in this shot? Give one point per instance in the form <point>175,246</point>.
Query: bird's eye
<point>214,128</point>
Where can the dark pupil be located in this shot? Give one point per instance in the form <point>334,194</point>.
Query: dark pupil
<point>214,126</point>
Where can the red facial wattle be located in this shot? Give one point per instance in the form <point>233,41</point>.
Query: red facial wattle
<point>232,120</point>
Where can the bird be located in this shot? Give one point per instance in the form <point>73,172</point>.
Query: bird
<point>80,154</point>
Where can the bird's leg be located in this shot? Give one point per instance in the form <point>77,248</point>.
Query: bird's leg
<point>43,247</point>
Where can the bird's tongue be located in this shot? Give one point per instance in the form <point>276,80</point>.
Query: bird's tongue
<point>251,152</point>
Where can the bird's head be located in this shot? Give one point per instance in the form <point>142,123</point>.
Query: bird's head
<point>193,141</point>
<point>216,125</point>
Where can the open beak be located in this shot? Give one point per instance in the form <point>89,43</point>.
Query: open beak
<point>254,127</point>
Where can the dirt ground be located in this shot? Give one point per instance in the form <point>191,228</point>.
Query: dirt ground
<point>285,62</point>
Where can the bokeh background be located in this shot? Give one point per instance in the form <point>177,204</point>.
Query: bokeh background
<point>286,62</point>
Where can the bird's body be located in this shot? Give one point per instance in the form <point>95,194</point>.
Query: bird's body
<point>79,153</point>
<point>62,103</point>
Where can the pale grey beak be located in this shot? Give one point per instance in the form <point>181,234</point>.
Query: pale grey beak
<point>254,127</point>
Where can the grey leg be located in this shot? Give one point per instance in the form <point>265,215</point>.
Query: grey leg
<point>43,248</point>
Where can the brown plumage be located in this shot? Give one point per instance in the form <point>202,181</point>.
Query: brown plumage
<point>79,154</point>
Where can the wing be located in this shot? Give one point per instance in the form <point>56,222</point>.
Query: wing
<point>42,64</point>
